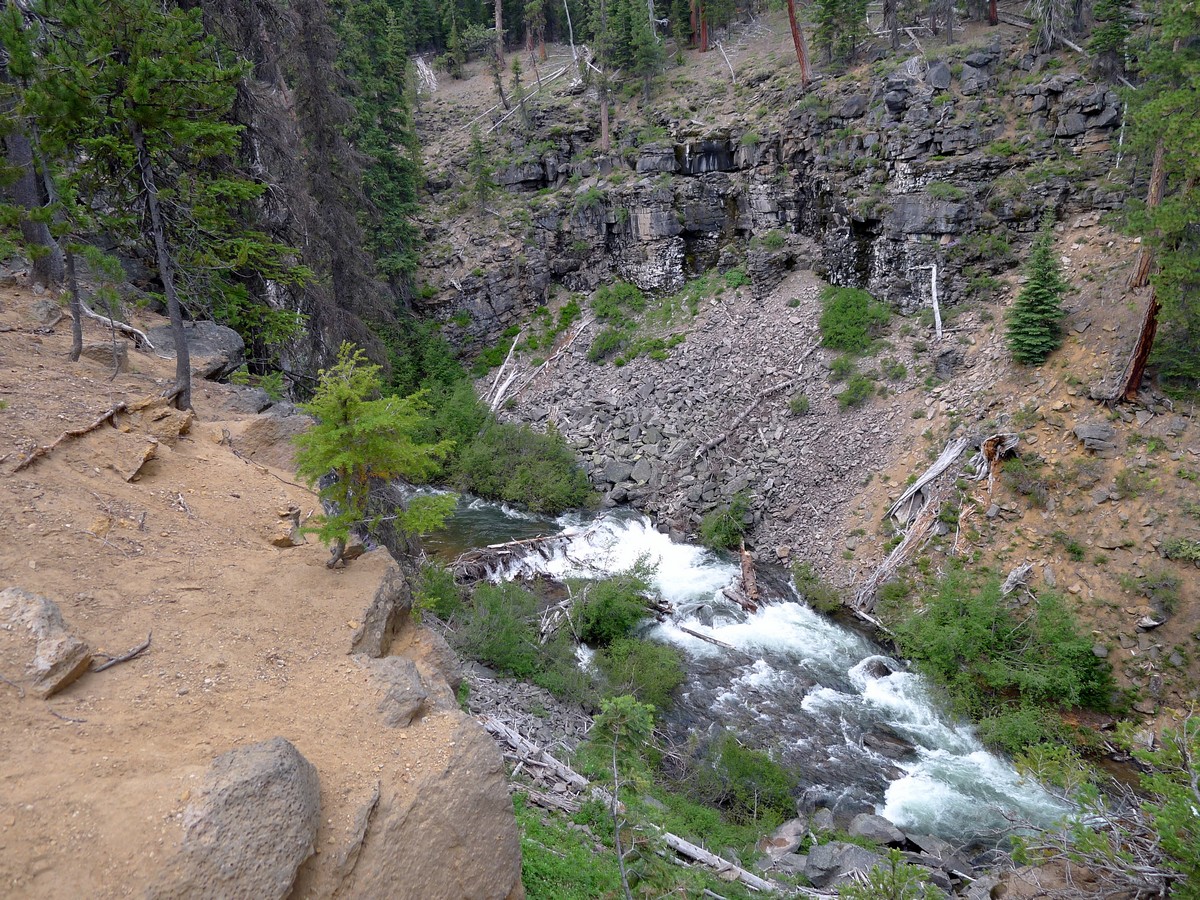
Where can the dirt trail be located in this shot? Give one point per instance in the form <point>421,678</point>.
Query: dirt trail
<point>249,641</point>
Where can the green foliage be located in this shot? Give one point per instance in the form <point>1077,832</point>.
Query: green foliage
<point>648,670</point>
<point>513,462</point>
<point>1035,319</point>
<point>1009,671</point>
<point>436,591</point>
<point>942,190</point>
<point>893,369</point>
<point>840,25</point>
<point>723,528</point>
<point>610,607</point>
<point>1176,799</point>
<point>559,862</point>
<point>736,278</point>
<point>850,319</point>
<point>481,170</point>
<point>609,343</point>
<point>841,368</point>
<point>817,593</point>
<point>799,405</point>
<point>858,391</point>
<point>1181,548</point>
<point>747,785</point>
<point>618,303</point>
<point>360,436</point>
<point>1165,112</point>
<point>1109,35</point>
<point>893,879</point>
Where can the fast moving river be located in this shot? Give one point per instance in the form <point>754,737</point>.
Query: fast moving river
<point>864,734</point>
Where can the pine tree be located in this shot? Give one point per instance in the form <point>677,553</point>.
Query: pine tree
<point>1109,36</point>
<point>1035,320</point>
<point>480,169</point>
<point>360,436</point>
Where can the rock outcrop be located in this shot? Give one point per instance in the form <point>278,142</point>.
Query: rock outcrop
<point>38,645</point>
<point>246,834</point>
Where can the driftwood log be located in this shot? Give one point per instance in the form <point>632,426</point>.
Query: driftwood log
<point>476,565</point>
<point>915,497</point>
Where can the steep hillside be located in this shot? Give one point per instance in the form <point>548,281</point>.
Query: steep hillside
<point>177,528</point>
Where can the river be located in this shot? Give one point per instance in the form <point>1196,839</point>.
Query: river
<point>862,732</point>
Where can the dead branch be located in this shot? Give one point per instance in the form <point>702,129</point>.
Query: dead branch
<point>584,326</point>
<point>139,337</point>
<point>709,638</point>
<point>20,690</point>
<point>1016,578</point>
<point>918,530</point>
<point>744,414</point>
<point>125,657</point>
<point>71,433</point>
<point>991,451</point>
<point>915,497</point>
<point>749,579</point>
<point>70,719</point>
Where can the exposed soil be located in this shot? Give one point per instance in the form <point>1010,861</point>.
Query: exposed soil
<point>249,641</point>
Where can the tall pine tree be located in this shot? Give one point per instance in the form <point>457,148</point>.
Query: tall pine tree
<point>1035,320</point>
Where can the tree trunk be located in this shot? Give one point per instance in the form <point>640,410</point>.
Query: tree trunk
<point>76,306</point>
<point>703,30</point>
<point>500,32</point>
<point>166,271</point>
<point>694,5</point>
<point>605,136</point>
<point>1158,182</point>
<point>46,257</point>
<point>948,9</point>
<point>1136,366</point>
<point>801,49</point>
<point>993,13</point>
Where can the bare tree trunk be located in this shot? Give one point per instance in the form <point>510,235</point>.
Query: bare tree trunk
<point>703,29</point>
<point>605,135</point>
<point>500,32</point>
<point>948,10</point>
<point>801,49</point>
<point>891,19</point>
<point>1158,182</point>
<point>166,271</point>
<point>993,13</point>
<point>46,257</point>
<point>76,307</point>
<point>1136,367</point>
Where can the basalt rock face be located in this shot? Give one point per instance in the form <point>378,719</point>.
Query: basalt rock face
<point>867,183</point>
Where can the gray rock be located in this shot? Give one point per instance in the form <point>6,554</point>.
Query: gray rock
<point>1097,436</point>
<point>108,355</point>
<point>982,887</point>
<point>822,820</point>
<point>249,829</point>
<point>784,839</point>
<point>1100,651</point>
<point>896,101</point>
<point>388,612</point>
<point>246,399</point>
<point>875,828</point>
<point>938,75</point>
<point>1070,125</point>
<point>45,310</point>
<point>402,688</point>
<point>38,640</point>
<point>853,106</point>
<point>972,80</point>
<point>615,471</point>
<point>643,471</point>
<point>215,350</point>
<point>791,863</point>
<point>837,862</point>
<point>980,59</point>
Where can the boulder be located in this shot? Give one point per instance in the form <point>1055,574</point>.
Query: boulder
<point>45,648</point>
<point>110,355</point>
<point>386,615</point>
<point>401,688</point>
<point>216,351</point>
<point>784,839</point>
<point>875,828</point>
<point>1096,436</point>
<point>972,80</point>
<point>252,824</point>
<point>938,75</point>
<point>836,862</point>
<point>1070,125</point>
<point>446,836</point>
<point>853,106</point>
<point>615,471</point>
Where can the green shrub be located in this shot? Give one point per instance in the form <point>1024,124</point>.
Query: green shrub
<point>774,239</point>
<point>436,591</point>
<point>648,670</point>
<point>515,463</point>
<point>736,278</point>
<point>746,784</point>
<point>892,879</point>
<point>941,190</point>
<point>858,391</point>
<point>616,303</point>
<point>799,405</point>
<point>608,343</point>
<point>723,528</point>
<point>818,594</point>
<point>1158,585</point>
<point>1009,670</point>
<point>893,369</point>
<point>499,631</point>
<point>1134,482</point>
<point>1182,548</point>
<point>612,606</point>
<point>841,368</point>
<point>850,319</point>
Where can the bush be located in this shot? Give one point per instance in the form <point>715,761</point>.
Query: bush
<point>1010,671</point>
<point>648,670</point>
<point>799,405</point>
<point>892,879</point>
<point>736,278</point>
<point>842,368</point>
<point>436,591</point>
<point>515,463</point>
<point>499,630</point>
<point>858,391</point>
<point>746,784</point>
<point>1181,548</point>
<point>723,528</point>
<point>616,303</point>
<point>612,606</point>
<point>816,593</point>
<point>850,319</point>
<point>608,343</point>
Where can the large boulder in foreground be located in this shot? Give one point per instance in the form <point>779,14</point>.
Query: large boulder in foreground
<point>216,351</point>
<point>38,641</point>
<point>246,834</point>
<point>447,836</point>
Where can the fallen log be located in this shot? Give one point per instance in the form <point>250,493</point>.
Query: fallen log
<point>139,337</point>
<point>721,865</point>
<point>991,451</point>
<point>915,496</point>
<point>533,752</point>
<point>749,579</point>
<point>709,638</point>
<point>918,530</point>
<point>476,565</point>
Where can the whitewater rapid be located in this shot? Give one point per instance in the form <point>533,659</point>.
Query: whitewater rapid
<point>864,733</point>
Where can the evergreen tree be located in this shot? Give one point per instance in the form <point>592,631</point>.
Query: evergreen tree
<point>840,26</point>
<point>646,53</point>
<point>1109,36</point>
<point>136,96</point>
<point>481,170</point>
<point>1035,320</point>
<point>1165,122</point>
<point>360,436</point>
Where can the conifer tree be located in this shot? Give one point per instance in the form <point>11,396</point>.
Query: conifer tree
<point>1035,320</point>
<point>135,94</point>
<point>360,436</point>
<point>1109,36</point>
